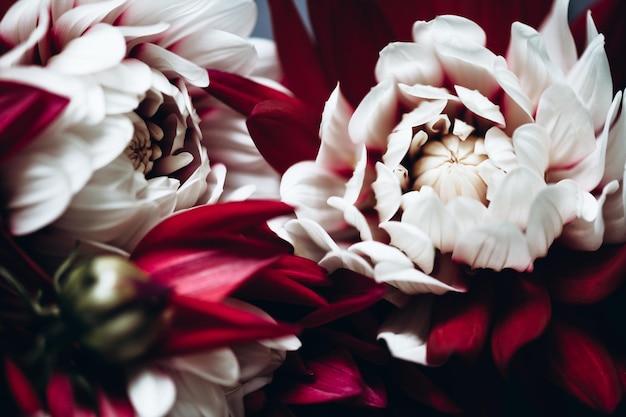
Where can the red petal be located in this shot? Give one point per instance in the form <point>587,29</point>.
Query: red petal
<point>460,323</point>
<point>284,133</point>
<point>201,325</point>
<point>200,223</point>
<point>299,59</point>
<point>610,18</point>
<point>21,265</point>
<point>583,277</point>
<point>335,377</point>
<point>273,285</point>
<point>418,386</point>
<point>526,314</point>
<point>114,407</point>
<point>241,93</point>
<point>350,51</point>
<point>303,270</point>
<point>60,397</point>
<point>25,111</point>
<point>351,292</point>
<point>21,389</point>
<point>582,365</point>
<point>373,353</point>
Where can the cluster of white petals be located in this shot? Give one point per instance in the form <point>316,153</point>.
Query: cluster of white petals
<point>460,156</point>
<point>130,148</point>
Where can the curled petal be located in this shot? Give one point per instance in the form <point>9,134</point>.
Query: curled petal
<point>499,148</point>
<point>529,60</point>
<point>554,207</point>
<point>448,26</point>
<point>509,203</point>
<point>532,144</point>
<point>569,124</point>
<point>559,40</point>
<point>387,191</point>
<point>171,64</point>
<point>337,151</point>
<point>341,258</point>
<point>517,107</point>
<point>616,146</point>
<point>408,63</point>
<point>310,239</point>
<point>468,64</point>
<point>99,49</point>
<point>495,246</point>
<point>480,105</point>
<point>406,330</point>
<point>413,242</point>
<point>410,280</point>
<point>374,118</point>
<point>352,216</point>
<point>219,366</point>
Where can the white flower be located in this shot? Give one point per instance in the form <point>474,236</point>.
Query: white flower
<point>131,147</point>
<point>461,155</point>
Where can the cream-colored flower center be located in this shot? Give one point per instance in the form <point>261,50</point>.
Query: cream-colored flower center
<point>144,148</point>
<point>450,166</point>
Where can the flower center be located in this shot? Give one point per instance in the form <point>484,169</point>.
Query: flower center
<point>160,132</point>
<point>450,166</point>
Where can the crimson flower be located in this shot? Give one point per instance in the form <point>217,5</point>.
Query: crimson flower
<point>550,319</point>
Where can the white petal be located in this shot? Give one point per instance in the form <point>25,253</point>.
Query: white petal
<point>352,216</point>
<point>215,183</point>
<point>125,85</point>
<point>551,210</point>
<point>494,246</point>
<point>528,59</point>
<point>466,212</point>
<point>413,242</point>
<point>267,63</point>
<point>74,22</point>
<point>499,148</point>
<point>587,230</point>
<point>532,146</point>
<point>409,280</point>
<point>219,366</point>
<point>387,191</point>
<point>408,63</point>
<point>171,64</point>
<point>374,118</point>
<point>356,182</point>
<point>517,107</point>
<point>309,239</point>
<point>17,28</point>
<point>151,392</point>
<point>591,79</point>
<point>337,151</point>
<point>198,398</point>
<point>378,252</point>
<point>406,331</point>
<point>447,26</point>
<point>558,37</point>
<point>425,210</point>
<point>480,105</point>
<point>428,92</point>
<point>616,144</point>
<point>348,260</point>
<point>217,49</point>
<point>569,125</point>
<point>100,48</point>
<point>614,214</point>
<point>513,197</point>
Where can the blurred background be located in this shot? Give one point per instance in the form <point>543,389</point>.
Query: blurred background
<point>264,29</point>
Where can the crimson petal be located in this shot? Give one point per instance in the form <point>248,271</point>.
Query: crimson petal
<point>303,270</point>
<point>299,58</point>
<point>582,365</point>
<point>526,316</point>
<point>25,111</point>
<point>352,292</point>
<point>202,325</point>
<point>339,25</point>
<point>335,376</point>
<point>242,94</point>
<point>114,407</point>
<point>204,221</point>
<point>283,133</point>
<point>420,387</point>
<point>460,323</point>
<point>583,277</point>
<point>22,391</point>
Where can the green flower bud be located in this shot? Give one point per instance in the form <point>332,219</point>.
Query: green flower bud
<point>113,307</point>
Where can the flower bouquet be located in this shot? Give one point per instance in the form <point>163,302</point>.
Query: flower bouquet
<point>403,208</point>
